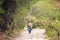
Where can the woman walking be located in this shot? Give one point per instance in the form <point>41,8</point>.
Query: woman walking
<point>29,26</point>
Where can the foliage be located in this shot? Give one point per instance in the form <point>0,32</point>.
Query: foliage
<point>44,14</point>
<point>23,7</point>
<point>47,14</point>
<point>1,9</point>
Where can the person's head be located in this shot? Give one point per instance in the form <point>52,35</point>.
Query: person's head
<point>29,21</point>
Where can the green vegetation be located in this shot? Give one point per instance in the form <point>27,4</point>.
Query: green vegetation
<point>44,14</point>
<point>1,9</point>
<point>23,6</point>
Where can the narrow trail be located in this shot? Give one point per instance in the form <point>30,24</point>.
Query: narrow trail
<point>36,34</point>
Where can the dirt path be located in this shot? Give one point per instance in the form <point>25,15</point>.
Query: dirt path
<point>36,34</point>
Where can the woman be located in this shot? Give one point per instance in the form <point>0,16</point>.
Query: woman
<point>29,26</point>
